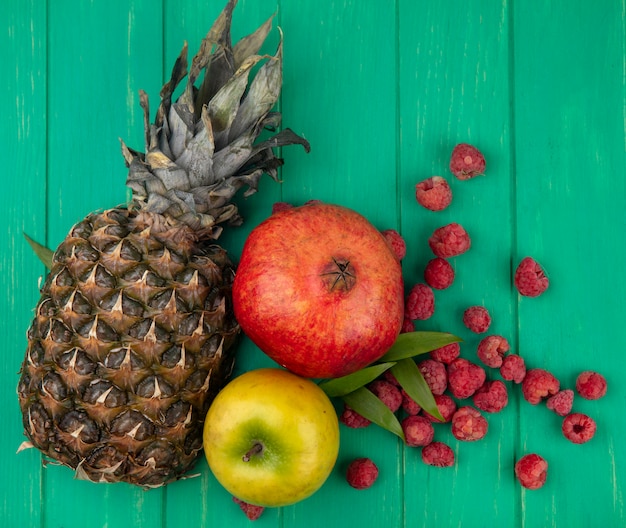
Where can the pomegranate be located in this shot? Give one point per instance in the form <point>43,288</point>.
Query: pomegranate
<point>319,290</point>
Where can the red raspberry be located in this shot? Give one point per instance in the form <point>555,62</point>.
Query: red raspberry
<point>435,375</point>
<point>418,431</point>
<point>449,241</point>
<point>438,454</point>
<point>465,378</point>
<point>466,162</point>
<point>531,471</point>
<point>409,405</point>
<point>388,376</point>
<point>361,473</point>
<point>492,397</point>
<point>591,385</point>
<point>513,368</point>
<point>477,319</point>
<point>491,350</point>
<point>433,193</point>
<point>530,279</point>
<point>578,428</point>
<point>446,406</point>
<point>396,242</point>
<point>561,403</point>
<point>280,206</point>
<point>446,354</point>
<point>439,273</point>
<point>407,325</point>
<point>539,384</point>
<point>420,303</point>
<point>252,512</point>
<point>388,393</point>
<point>353,419</point>
<point>468,424</point>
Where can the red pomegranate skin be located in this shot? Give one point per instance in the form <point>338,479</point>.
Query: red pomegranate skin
<point>319,290</point>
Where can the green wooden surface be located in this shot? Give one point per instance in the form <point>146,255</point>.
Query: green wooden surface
<point>383,90</point>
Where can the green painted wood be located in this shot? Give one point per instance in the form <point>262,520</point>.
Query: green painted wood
<point>454,87</point>
<point>570,159</point>
<point>361,110</point>
<point>189,21</point>
<point>383,91</point>
<point>98,59</point>
<point>23,201</point>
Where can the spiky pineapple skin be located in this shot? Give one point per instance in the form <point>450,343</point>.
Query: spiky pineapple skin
<point>131,339</point>
<point>134,332</point>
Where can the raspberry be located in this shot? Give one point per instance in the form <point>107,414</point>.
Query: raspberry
<point>280,206</point>
<point>530,279</point>
<point>531,471</point>
<point>388,376</point>
<point>561,403</point>
<point>491,350</point>
<point>396,242</point>
<point>409,405</point>
<point>361,473</point>
<point>446,406</point>
<point>466,161</point>
<point>439,273</point>
<point>446,354</point>
<point>492,397</point>
<point>477,319</point>
<point>465,378</point>
<point>418,431</point>
<point>539,384</point>
<point>420,303</point>
<point>438,454</point>
<point>353,419</point>
<point>578,428</point>
<point>433,193</point>
<point>435,375</point>
<point>407,325</point>
<point>468,424</point>
<point>449,241</point>
<point>388,393</point>
<point>252,512</point>
<point>513,368</point>
<point>591,385</point>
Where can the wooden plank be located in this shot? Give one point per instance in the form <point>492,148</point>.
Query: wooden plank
<point>454,88</point>
<point>95,77</point>
<point>301,183</point>
<point>99,57</point>
<point>23,136</point>
<point>340,92</point>
<point>570,166</point>
<point>189,21</point>
<point>383,91</point>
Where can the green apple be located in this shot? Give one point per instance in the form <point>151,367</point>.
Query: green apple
<point>271,438</point>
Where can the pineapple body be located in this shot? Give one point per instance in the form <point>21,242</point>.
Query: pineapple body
<point>131,339</point>
<point>134,332</point>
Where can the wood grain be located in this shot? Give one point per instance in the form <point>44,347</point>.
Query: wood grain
<point>23,201</point>
<point>383,90</point>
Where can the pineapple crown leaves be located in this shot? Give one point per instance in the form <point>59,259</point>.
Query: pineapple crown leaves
<point>43,253</point>
<point>399,360</point>
<point>202,148</point>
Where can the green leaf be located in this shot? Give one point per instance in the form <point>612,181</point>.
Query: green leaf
<point>412,344</point>
<point>410,378</point>
<point>368,405</point>
<point>43,253</point>
<point>351,382</point>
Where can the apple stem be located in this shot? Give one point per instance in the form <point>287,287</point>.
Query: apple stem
<point>256,449</point>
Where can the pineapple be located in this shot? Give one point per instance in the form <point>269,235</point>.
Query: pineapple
<point>134,333</point>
